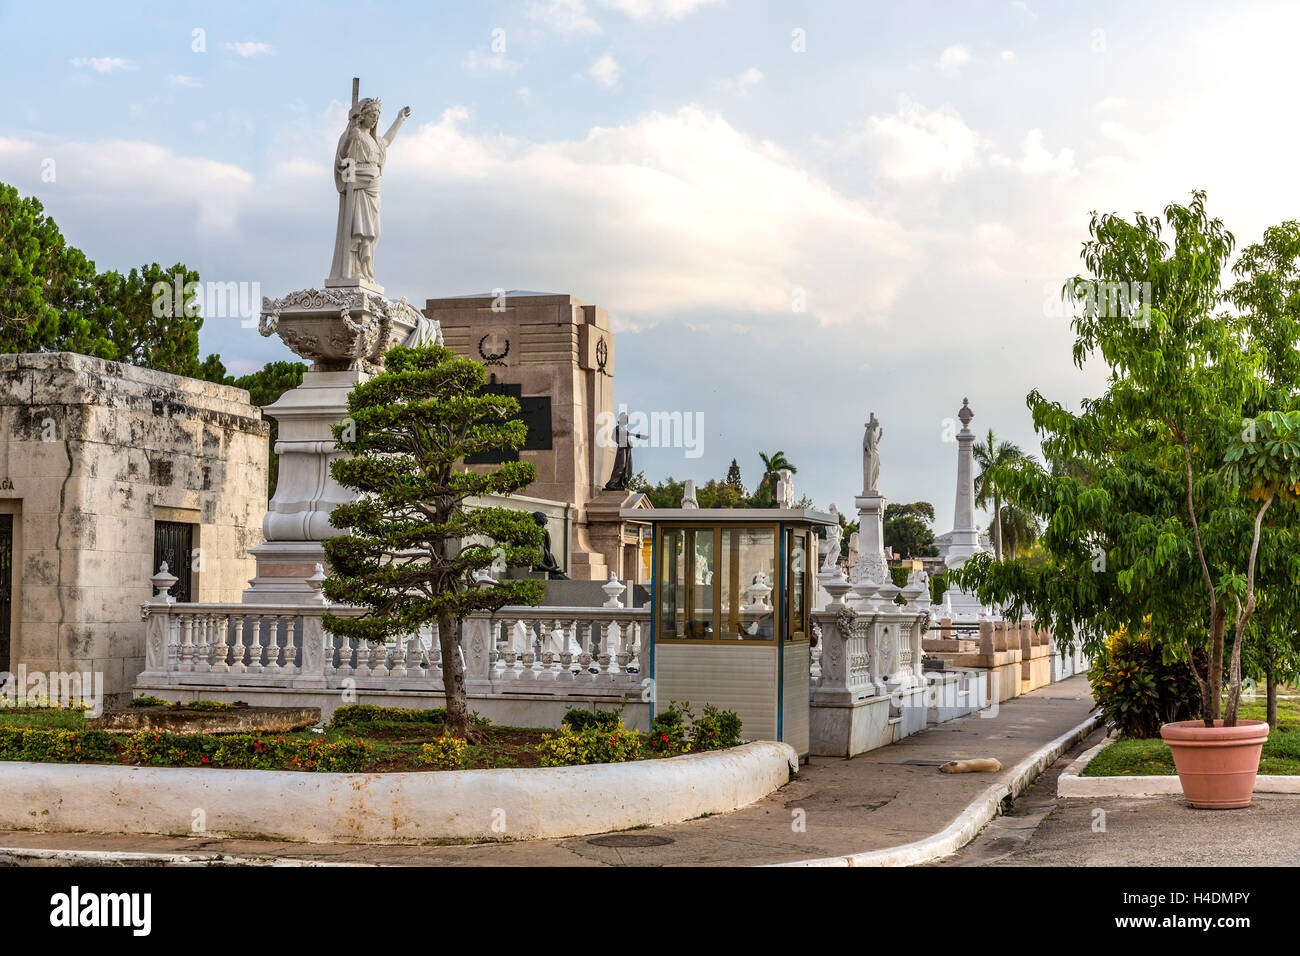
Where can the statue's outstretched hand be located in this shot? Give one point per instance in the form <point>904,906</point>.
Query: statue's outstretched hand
<point>406,112</point>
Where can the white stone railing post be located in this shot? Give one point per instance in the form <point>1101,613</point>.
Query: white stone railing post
<point>476,642</point>
<point>158,629</point>
<point>314,649</point>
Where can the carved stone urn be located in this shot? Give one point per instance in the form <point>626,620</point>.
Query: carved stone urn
<point>341,328</point>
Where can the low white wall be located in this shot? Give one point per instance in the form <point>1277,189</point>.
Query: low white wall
<point>504,710</point>
<point>390,807</point>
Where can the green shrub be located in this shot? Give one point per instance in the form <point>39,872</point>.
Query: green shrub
<point>158,749</point>
<point>715,730</point>
<point>668,729</point>
<point>592,745</point>
<point>353,714</point>
<point>150,702</point>
<point>578,719</point>
<point>1138,690</point>
<point>208,705</point>
<point>445,753</point>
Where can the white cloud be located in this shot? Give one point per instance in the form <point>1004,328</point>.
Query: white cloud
<point>180,79</point>
<point>953,58</point>
<point>671,211</point>
<point>1021,7</point>
<point>605,71</point>
<point>914,144</point>
<point>665,9</point>
<point>525,94</point>
<point>567,17</point>
<point>102,64</point>
<point>1007,56</point>
<point>1037,160</point>
<point>130,181</point>
<point>249,48</point>
<point>478,62</point>
<point>742,84</point>
<point>1110,103</point>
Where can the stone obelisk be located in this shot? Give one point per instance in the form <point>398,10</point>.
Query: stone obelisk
<point>965,538</point>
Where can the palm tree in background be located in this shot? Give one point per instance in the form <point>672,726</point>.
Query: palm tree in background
<point>772,464</point>
<point>991,454</point>
<point>1020,529</point>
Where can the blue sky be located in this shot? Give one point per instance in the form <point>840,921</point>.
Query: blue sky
<point>920,175</point>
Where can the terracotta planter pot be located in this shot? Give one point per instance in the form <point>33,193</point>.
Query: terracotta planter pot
<point>1216,765</point>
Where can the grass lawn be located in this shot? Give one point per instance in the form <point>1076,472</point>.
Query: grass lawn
<point>1151,757</point>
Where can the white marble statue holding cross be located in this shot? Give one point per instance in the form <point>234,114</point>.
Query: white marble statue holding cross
<point>358,167</point>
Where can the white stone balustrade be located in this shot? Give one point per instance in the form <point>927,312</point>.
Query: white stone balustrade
<point>518,650</point>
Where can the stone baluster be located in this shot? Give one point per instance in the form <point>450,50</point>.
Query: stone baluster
<point>237,649</point>
<point>362,666</point>
<point>400,645</point>
<point>221,650</point>
<point>272,644</point>
<point>378,659</point>
<point>255,648</point>
<point>290,666</point>
<point>186,662</point>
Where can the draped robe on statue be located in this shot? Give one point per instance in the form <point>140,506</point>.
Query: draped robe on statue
<point>358,222</point>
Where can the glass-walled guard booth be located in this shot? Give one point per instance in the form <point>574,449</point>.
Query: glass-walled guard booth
<point>731,595</point>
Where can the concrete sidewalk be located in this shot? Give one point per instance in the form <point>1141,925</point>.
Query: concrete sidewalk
<point>835,807</point>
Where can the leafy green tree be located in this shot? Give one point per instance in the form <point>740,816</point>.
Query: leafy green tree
<point>907,529</point>
<point>720,494</point>
<point>409,545</point>
<point>53,300</point>
<point>45,284</point>
<point>990,454</point>
<point>1193,445</point>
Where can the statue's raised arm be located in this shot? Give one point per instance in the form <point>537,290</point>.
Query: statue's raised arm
<point>397,124</point>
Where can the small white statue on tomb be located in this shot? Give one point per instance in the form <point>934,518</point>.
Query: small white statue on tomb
<point>853,550</point>
<point>834,535</point>
<point>785,488</point>
<point>688,496</point>
<point>871,456</point>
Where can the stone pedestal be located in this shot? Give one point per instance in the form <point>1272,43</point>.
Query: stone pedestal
<point>344,332</point>
<point>871,564</point>
<point>607,542</point>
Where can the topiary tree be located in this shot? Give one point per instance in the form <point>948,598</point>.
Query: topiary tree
<point>409,544</point>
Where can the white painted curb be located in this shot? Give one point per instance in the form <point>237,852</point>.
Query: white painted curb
<point>478,805</point>
<point>971,820</point>
<point>1072,783</point>
<point>33,856</point>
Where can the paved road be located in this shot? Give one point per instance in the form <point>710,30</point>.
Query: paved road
<point>1116,831</point>
<point>835,807</point>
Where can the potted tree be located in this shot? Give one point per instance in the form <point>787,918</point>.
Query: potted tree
<point>1169,499</point>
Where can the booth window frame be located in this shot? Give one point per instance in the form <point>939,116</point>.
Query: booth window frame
<point>784,535</point>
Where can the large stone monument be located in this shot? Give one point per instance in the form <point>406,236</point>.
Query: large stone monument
<point>343,330</point>
<point>555,354</point>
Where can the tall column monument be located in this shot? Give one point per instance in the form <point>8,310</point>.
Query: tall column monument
<point>965,538</point>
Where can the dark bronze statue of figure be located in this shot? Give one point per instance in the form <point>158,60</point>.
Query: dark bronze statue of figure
<point>549,564</point>
<point>622,474</point>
